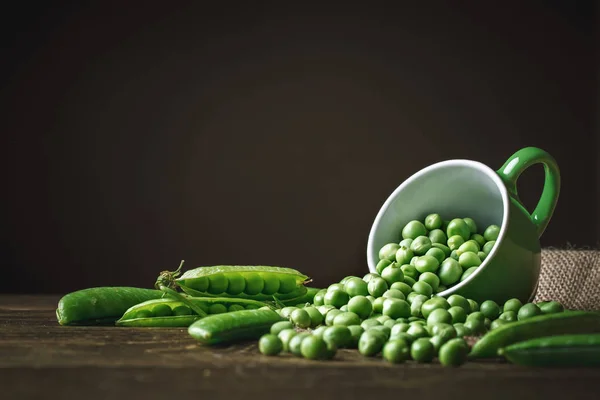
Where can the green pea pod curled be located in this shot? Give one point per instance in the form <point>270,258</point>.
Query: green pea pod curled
<point>555,351</point>
<point>100,305</point>
<point>234,326</point>
<point>567,322</point>
<point>238,281</point>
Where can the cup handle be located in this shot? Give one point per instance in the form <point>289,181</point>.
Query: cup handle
<point>516,165</point>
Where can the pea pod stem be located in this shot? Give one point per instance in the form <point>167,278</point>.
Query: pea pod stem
<point>184,300</point>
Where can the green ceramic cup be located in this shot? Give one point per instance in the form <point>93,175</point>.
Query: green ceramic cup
<point>466,188</point>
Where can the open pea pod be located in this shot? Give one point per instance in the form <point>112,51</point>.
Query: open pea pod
<point>239,281</point>
<point>171,313</point>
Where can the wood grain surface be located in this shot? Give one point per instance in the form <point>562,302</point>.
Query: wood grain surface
<point>41,360</point>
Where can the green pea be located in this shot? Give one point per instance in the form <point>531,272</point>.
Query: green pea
<point>162,310</point>
<point>335,286</point>
<point>361,306</point>
<point>370,298</point>
<point>453,353</point>
<point>378,305</point>
<point>410,271</point>
<point>217,283</point>
<point>371,342</point>
<point>313,348</point>
<point>318,331</point>
<point>413,229</point>
<point>457,300</point>
<point>458,314</point>
<point>385,330</point>
<point>403,336</point>
<point>479,239</point>
<point>254,283</point>
<point>432,304</point>
<point>217,309</point>
<point>339,335</point>
<point>433,221</point>
<point>473,305</point>
<point>277,327</point>
<point>271,283</point>
<point>182,310</point>
<point>330,316</point>
<point>431,278</point>
<point>509,316</point>
<point>423,288</point>
<point>422,350</point>
<point>417,331</point>
<point>367,278</point>
<point>270,345</point>
<point>468,247</point>
<point>468,260</point>
<point>383,318</point>
<point>498,323</point>
<point>392,274</point>
<point>368,323</point>
<point>437,236</point>
<point>436,253</point>
<point>413,260</point>
<point>355,332</point>
<point>356,287</point>
<point>454,255</point>
<point>427,264</point>
<point>412,295</point>
<point>468,272</point>
<point>482,256</point>
<point>287,311</point>
<point>416,305</point>
<point>445,330</point>
<point>379,267</point>
<point>405,242</point>
<point>419,321</point>
<point>443,247</point>
<point>398,328</point>
<point>287,283</point>
<point>441,288</point>
<point>475,326</point>
<point>396,308</point>
<point>461,330</point>
<point>402,287</point>
<point>403,256</point>
<point>488,246</point>
<point>487,323</point>
<point>551,307</point>
<point>409,281</point>
<point>285,335</point>
<point>144,314</point>
<point>200,284</point>
<point>318,300</point>
<point>414,319</point>
<point>316,318</point>
<point>491,232</point>
<point>527,311</point>
<point>458,227</point>
<point>390,322</point>
<point>346,319</point>
<point>439,315</point>
<point>235,307</point>
<point>437,342</point>
<point>236,285</point>
<point>490,309</point>
<point>450,271</point>
<point>512,305</point>
<point>471,224</point>
<point>377,287</point>
<point>396,351</point>
<point>394,293</point>
<point>420,245</point>
<point>454,242</point>
<point>477,316</point>
<point>388,252</point>
<point>295,344</point>
<point>336,298</point>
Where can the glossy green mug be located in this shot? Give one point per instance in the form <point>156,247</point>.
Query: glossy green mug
<point>466,188</point>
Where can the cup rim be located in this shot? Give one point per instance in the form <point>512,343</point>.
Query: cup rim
<point>489,172</point>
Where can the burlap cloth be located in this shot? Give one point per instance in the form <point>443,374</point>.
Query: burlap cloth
<point>571,277</point>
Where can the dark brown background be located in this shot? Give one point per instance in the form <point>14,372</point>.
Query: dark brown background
<point>140,133</point>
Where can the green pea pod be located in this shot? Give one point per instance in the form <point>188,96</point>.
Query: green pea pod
<point>307,297</point>
<point>169,313</point>
<point>567,322</point>
<point>234,326</point>
<point>555,351</point>
<point>100,305</point>
<point>238,281</point>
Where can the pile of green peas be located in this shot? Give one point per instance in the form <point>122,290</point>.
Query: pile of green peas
<point>383,315</point>
<point>436,254</point>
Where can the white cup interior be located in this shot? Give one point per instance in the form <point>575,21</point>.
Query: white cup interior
<point>453,189</point>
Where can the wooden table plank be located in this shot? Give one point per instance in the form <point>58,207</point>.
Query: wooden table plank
<point>40,359</point>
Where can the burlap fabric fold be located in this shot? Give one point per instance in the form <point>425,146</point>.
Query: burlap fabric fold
<point>571,277</point>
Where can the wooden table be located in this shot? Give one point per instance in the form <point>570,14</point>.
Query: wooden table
<point>40,359</point>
